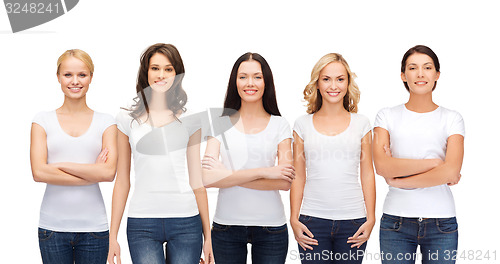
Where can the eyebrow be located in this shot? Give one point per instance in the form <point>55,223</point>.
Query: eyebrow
<point>257,73</point>
<point>424,63</point>
<point>324,75</point>
<point>159,65</point>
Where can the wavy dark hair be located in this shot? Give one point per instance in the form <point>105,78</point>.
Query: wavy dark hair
<point>233,100</point>
<point>423,50</point>
<point>176,97</point>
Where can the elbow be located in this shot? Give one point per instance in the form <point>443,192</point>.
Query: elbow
<point>109,175</point>
<point>37,176</point>
<point>205,179</point>
<point>286,186</point>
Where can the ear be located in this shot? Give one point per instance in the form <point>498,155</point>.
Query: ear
<point>91,75</point>
<point>437,76</point>
<point>403,77</point>
<point>58,77</point>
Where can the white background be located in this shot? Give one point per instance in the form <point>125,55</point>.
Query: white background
<point>292,36</point>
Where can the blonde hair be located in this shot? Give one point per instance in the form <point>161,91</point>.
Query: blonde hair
<point>312,95</point>
<point>79,54</point>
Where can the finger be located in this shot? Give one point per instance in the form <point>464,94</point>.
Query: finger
<point>288,179</point>
<point>307,231</point>
<point>356,234</point>
<point>305,246</point>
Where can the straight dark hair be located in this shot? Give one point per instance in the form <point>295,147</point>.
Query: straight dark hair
<point>233,99</point>
<point>423,50</point>
<point>176,97</point>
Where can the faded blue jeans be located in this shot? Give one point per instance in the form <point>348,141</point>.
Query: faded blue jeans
<point>183,235</point>
<point>73,247</point>
<point>400,236</point>
<point>332,238</point>
<point>269,244</point>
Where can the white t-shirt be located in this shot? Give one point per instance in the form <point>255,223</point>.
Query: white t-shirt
<point>73,208</point>
<point>243,206</point>
<point>332,189</point>
<point>162,187</point>
<point>420,136</point>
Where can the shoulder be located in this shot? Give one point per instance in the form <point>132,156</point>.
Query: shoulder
<point>449,112</point>
<point>303,118</point>
<point>359,118</point>
<point>278,120</point>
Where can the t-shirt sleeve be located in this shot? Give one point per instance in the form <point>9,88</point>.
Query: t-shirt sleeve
<point>41,120</point>
<point>365,125</point>
<point>123,122</point>
<point>284,130</point>
<point>456,125</point>
<point>107,121</point>
<point>298,127</point>
<point>381,119</point>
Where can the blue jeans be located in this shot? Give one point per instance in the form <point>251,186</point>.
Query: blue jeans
<point>183,235</point>
<point>69,247</point>
<point>400,236</point>
<point>332,238</point>
<point>269,244</point>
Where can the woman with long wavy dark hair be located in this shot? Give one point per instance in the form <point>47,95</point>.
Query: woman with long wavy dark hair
<point>249,206</point>
<point>169,204</point>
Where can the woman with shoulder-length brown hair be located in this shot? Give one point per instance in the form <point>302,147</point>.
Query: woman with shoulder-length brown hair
<point>332,143</point>
<point>169,204</point>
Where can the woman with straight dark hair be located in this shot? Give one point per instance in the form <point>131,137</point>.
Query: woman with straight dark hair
<point>418,148</point>
<point>169,204</point>
<point>249,206</point>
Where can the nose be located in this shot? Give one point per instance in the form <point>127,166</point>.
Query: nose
<point>420,72</point>
<point>250,81</point>
<point>74,80</point>
<point>162,74</point>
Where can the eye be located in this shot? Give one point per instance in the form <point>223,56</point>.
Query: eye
<point>83,75</point>
<point>428,68</point>
<point>325,79</point>
<point>411,68</point>
<point>170,69</point>
<point>242,77</point>
<point>340,79</point>
<point>154,68</point>
<point>258,77</point>
<point>67,75</point>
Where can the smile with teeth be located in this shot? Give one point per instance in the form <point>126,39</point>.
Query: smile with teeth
<point>250,91</point>
<point>75,89</point>
<point>161,83</point>
<point>421,83</point>
<point>333,93</point>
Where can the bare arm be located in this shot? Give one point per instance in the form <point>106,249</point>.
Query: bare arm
<point>303,235</point>
<point>98,172</point>
<point>43,172</point>
<point>448,172</point>
<point>120,195</point>
<point>215,175</point>
<point>390,167</point>
<point>196,182</point>
<point>285,157</point>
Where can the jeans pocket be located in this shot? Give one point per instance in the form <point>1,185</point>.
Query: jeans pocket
<point>44,234</point>
<point>359,221</point>
<point>276,229</point>
<point>390,223</point>
<point>100,235</point>
<point>304,218</point>
<point>447,225</point>
<point>219,227</point>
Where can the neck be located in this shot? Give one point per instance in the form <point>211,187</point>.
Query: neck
<point>74,105</point>
<point>157,102</point>
<point>252,109</point>
<point>332,109</point>
<point>421,103</point>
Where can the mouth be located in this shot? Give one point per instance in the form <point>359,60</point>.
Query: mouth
<point>333,94</point>
<point>250,91</point>
<point>421,83</point>
<point>161,83</point>
<point>75,89</point>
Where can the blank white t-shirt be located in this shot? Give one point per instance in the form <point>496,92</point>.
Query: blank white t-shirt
<point>332,189</point>
<point>243,206</point>
<point>420,136</point>
<point>162,187</point>
<point>73,208</point>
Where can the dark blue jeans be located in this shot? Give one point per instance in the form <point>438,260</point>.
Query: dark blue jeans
<point>269,244</point>
<point>400,236</point>
<point>69,247</point>
<point>183,235</point>
<point>332,238</point>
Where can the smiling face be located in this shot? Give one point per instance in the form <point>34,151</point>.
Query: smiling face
<point>74,77</point>
<point>250,81</point>
<point>161,73</point>
<point>333,83</point>
<point>420,74</point>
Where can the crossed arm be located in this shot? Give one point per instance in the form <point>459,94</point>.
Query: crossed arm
<point>421,172</point>
<point>70,173</point>
<point>273,178</point>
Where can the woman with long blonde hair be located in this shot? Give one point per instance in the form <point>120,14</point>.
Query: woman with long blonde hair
<point>331,143</point>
